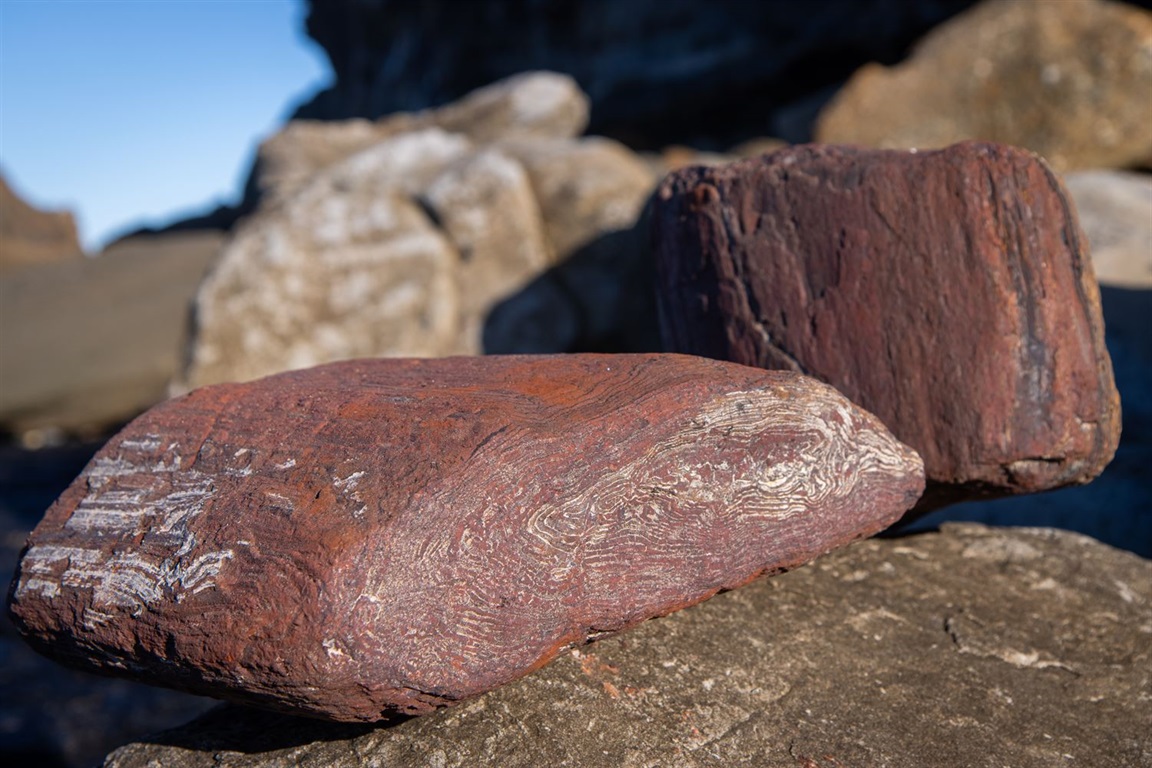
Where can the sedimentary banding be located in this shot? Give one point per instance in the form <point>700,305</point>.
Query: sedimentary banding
<point>396,535</point>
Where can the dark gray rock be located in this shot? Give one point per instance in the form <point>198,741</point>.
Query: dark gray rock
<point>676,71</point>
<point>88,344</point>
<point>974,646</point>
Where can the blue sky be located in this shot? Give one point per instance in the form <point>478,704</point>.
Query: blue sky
<point>141,111</point>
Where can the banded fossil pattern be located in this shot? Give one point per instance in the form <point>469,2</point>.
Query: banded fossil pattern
<point>746,484</point>
<point>400,534</point>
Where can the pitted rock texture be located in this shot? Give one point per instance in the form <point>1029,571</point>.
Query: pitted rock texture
<point>396,535</point>
<point>972,646</point>
<point>951,293</point>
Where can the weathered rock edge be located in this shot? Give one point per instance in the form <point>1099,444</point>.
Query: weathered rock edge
<point>950,292</point>
<point>385,536</point>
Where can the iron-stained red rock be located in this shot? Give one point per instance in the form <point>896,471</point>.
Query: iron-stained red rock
<point>396,535</point>
<point>951,293</point>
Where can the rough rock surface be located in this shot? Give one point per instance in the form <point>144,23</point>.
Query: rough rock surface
<point>29,236</point>
<point>950,293</point>
<point>87,345</point>
<point>678,71</point>
<point>973,646</point>
<point>350,266</point>
<point>447,525</point>
<point>1070,80</point>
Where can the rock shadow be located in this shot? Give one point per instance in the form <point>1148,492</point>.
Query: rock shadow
<point>602,298</point>
<point>236,728</point>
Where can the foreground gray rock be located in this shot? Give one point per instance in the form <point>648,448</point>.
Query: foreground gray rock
<point>973,646</point>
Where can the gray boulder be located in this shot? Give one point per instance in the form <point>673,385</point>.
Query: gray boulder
<point>1115,209</point>
<point>531,105</point>
<point>398,238</point>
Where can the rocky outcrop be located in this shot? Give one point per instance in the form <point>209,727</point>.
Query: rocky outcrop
<point>1031,645</point>
<point>657,74</point>
<point>397,239</point>
<point>950,293</point>
<point>29,237</point>
<point>1069,80</point>
<point>89,344</point>
<point>449,526</point>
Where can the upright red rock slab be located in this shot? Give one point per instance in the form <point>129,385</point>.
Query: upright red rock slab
<point>951,293</point>
<point>389,536</point>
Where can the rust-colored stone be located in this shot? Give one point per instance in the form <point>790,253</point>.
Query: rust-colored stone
<point>395,535</point>
<point>951,293</point>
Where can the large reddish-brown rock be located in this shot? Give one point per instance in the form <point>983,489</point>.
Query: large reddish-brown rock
<point>396,535</point>
<point>951,293</point>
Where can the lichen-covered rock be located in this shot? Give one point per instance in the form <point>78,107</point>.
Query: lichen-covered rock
<point>951,293</point>
<point>486,206</point>
<point>397,535</point>
<point>1069,80</point>
<point>1022,647</point>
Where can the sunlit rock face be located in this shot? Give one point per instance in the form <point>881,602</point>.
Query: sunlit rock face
<point>382,536</point>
